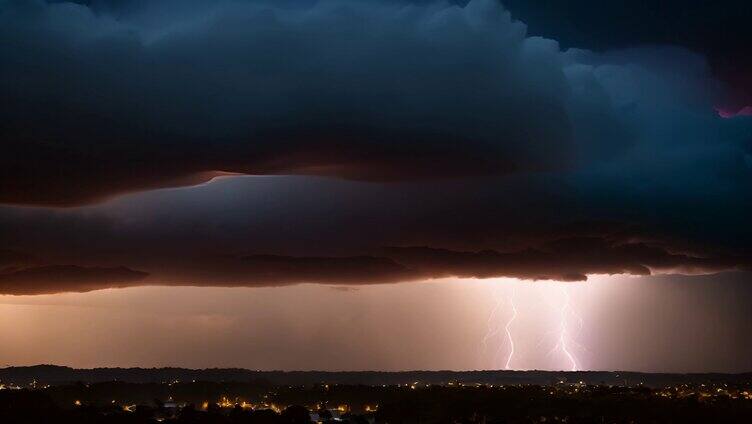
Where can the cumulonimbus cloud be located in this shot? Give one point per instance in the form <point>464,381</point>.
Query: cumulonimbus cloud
<point>443,130</point>
<point>96,105</point>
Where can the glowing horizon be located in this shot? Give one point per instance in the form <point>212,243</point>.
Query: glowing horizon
<point>304,327</point>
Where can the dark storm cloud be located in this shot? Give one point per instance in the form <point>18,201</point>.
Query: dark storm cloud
<point>563,259</point>
<point>443,131</point>
<point>95,105</point>
<point>566,259</point>
<point>331,232</point>
<point>65,278</point>
<point>11,258</point>
<point>127,95</point>
<point>718,30</point>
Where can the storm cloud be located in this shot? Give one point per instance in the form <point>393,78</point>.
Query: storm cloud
<point>382,141</point>
<point>374,91</point>
<point>65,278</point>
<point>272,231</point>
<point>561,260</point>
<point>718,31</point>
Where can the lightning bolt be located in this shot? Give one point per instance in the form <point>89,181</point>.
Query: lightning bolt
<point>500,330</point>
<point>494,328</point>
<point>564,340</point>
<point>507,328</point>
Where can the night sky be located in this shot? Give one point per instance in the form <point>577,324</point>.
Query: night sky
<point>382,184</point>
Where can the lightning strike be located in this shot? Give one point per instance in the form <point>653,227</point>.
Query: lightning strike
<point>492,328</point>
<point>508,331</point>
<point>495,328</point>
<point>564,338</point>
<point>500,343</point>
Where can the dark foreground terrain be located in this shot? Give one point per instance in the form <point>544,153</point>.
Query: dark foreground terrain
<point>253,399</point>
<point>56,375</point>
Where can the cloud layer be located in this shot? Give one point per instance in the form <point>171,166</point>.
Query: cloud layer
<point>66,278</point>
<point>443,131</point>
<point>98,106</point>
<point>562,260</point>
<point>718,31</point>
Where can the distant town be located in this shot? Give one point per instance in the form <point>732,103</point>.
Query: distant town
<point>41,395</point>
